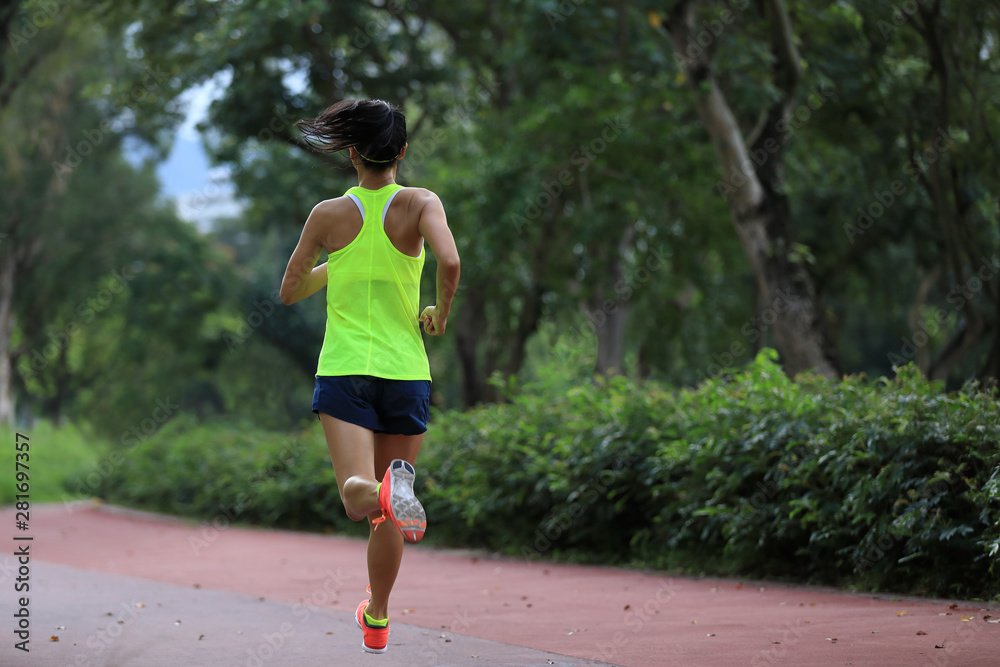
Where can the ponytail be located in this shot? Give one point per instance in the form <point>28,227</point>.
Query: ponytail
<point>375,128</point>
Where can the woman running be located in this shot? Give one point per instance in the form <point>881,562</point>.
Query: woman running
<point>373,384</point>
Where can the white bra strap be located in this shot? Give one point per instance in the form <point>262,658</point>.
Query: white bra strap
<point>387,202</point>
<point>361,207</point>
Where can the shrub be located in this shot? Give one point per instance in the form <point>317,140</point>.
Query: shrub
<point>888,485</point>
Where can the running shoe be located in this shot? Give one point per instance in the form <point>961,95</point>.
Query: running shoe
<point>375,638</point>
<point>395,497</point>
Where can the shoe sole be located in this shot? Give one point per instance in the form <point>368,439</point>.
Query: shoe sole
<point>407,512</point>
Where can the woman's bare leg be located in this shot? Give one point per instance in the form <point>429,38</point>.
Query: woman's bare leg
<point>385,546</point>
<point>352,450</point>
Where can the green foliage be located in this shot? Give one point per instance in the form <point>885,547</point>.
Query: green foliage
<point>891,485</point>
<point>237,472</point>
<point>59,458</point>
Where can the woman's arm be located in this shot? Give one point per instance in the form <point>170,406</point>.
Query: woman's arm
<point>302,277</point>
<point>433,226</point>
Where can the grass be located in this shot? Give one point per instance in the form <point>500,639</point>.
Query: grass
<point>60,458</point>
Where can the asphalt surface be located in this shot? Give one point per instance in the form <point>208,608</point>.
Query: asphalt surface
<point>116,587</point>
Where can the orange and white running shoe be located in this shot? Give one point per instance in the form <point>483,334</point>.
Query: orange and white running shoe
<point>395,497</point>
<point>376,637</point>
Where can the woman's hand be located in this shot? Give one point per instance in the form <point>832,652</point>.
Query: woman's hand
<point>433,321</point>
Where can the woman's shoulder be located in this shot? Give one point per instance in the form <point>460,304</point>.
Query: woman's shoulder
<point>334,207</point>
<point>418,197</point>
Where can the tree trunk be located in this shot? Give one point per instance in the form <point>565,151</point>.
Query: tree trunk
<point>611,341</point>
<point>470,331</point>
<point>609,313</point>
<point>753,190</point>
<point>8,268</point>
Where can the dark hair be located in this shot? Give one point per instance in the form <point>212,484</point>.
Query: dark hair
<point>375,128</point>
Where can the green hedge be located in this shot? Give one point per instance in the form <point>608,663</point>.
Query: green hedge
<point>891,485</point>
<point>231,473</point>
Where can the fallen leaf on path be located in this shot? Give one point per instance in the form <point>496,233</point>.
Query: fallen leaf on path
<point>996,621</point>
<point>529,604</point>
<point>832,640</point>
<point>710,634</point>
<point>329,633</point>
<point>177,622</point>
<point>200,637</point>
<point>953,606</point>
<point>627,607</point>
<point>968,618</point>
<point>775,642</point>
<point>53,638</point>
<point>939,646</point>
<point>921,632</point>
<point>902,613</point>
<point>407,611</point>
<point>63,627</point>
<point>812,604</point>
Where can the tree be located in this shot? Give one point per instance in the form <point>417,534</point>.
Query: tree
<point>755,194</point>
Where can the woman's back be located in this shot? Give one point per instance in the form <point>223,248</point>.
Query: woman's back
<point>373,291</point>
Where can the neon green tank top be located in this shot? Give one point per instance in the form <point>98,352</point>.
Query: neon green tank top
<point>372,300</point>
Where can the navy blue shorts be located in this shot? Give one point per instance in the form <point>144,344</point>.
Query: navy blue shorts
<point>394,407</point>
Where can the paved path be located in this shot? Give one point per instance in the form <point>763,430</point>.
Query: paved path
<point>126,588</point>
